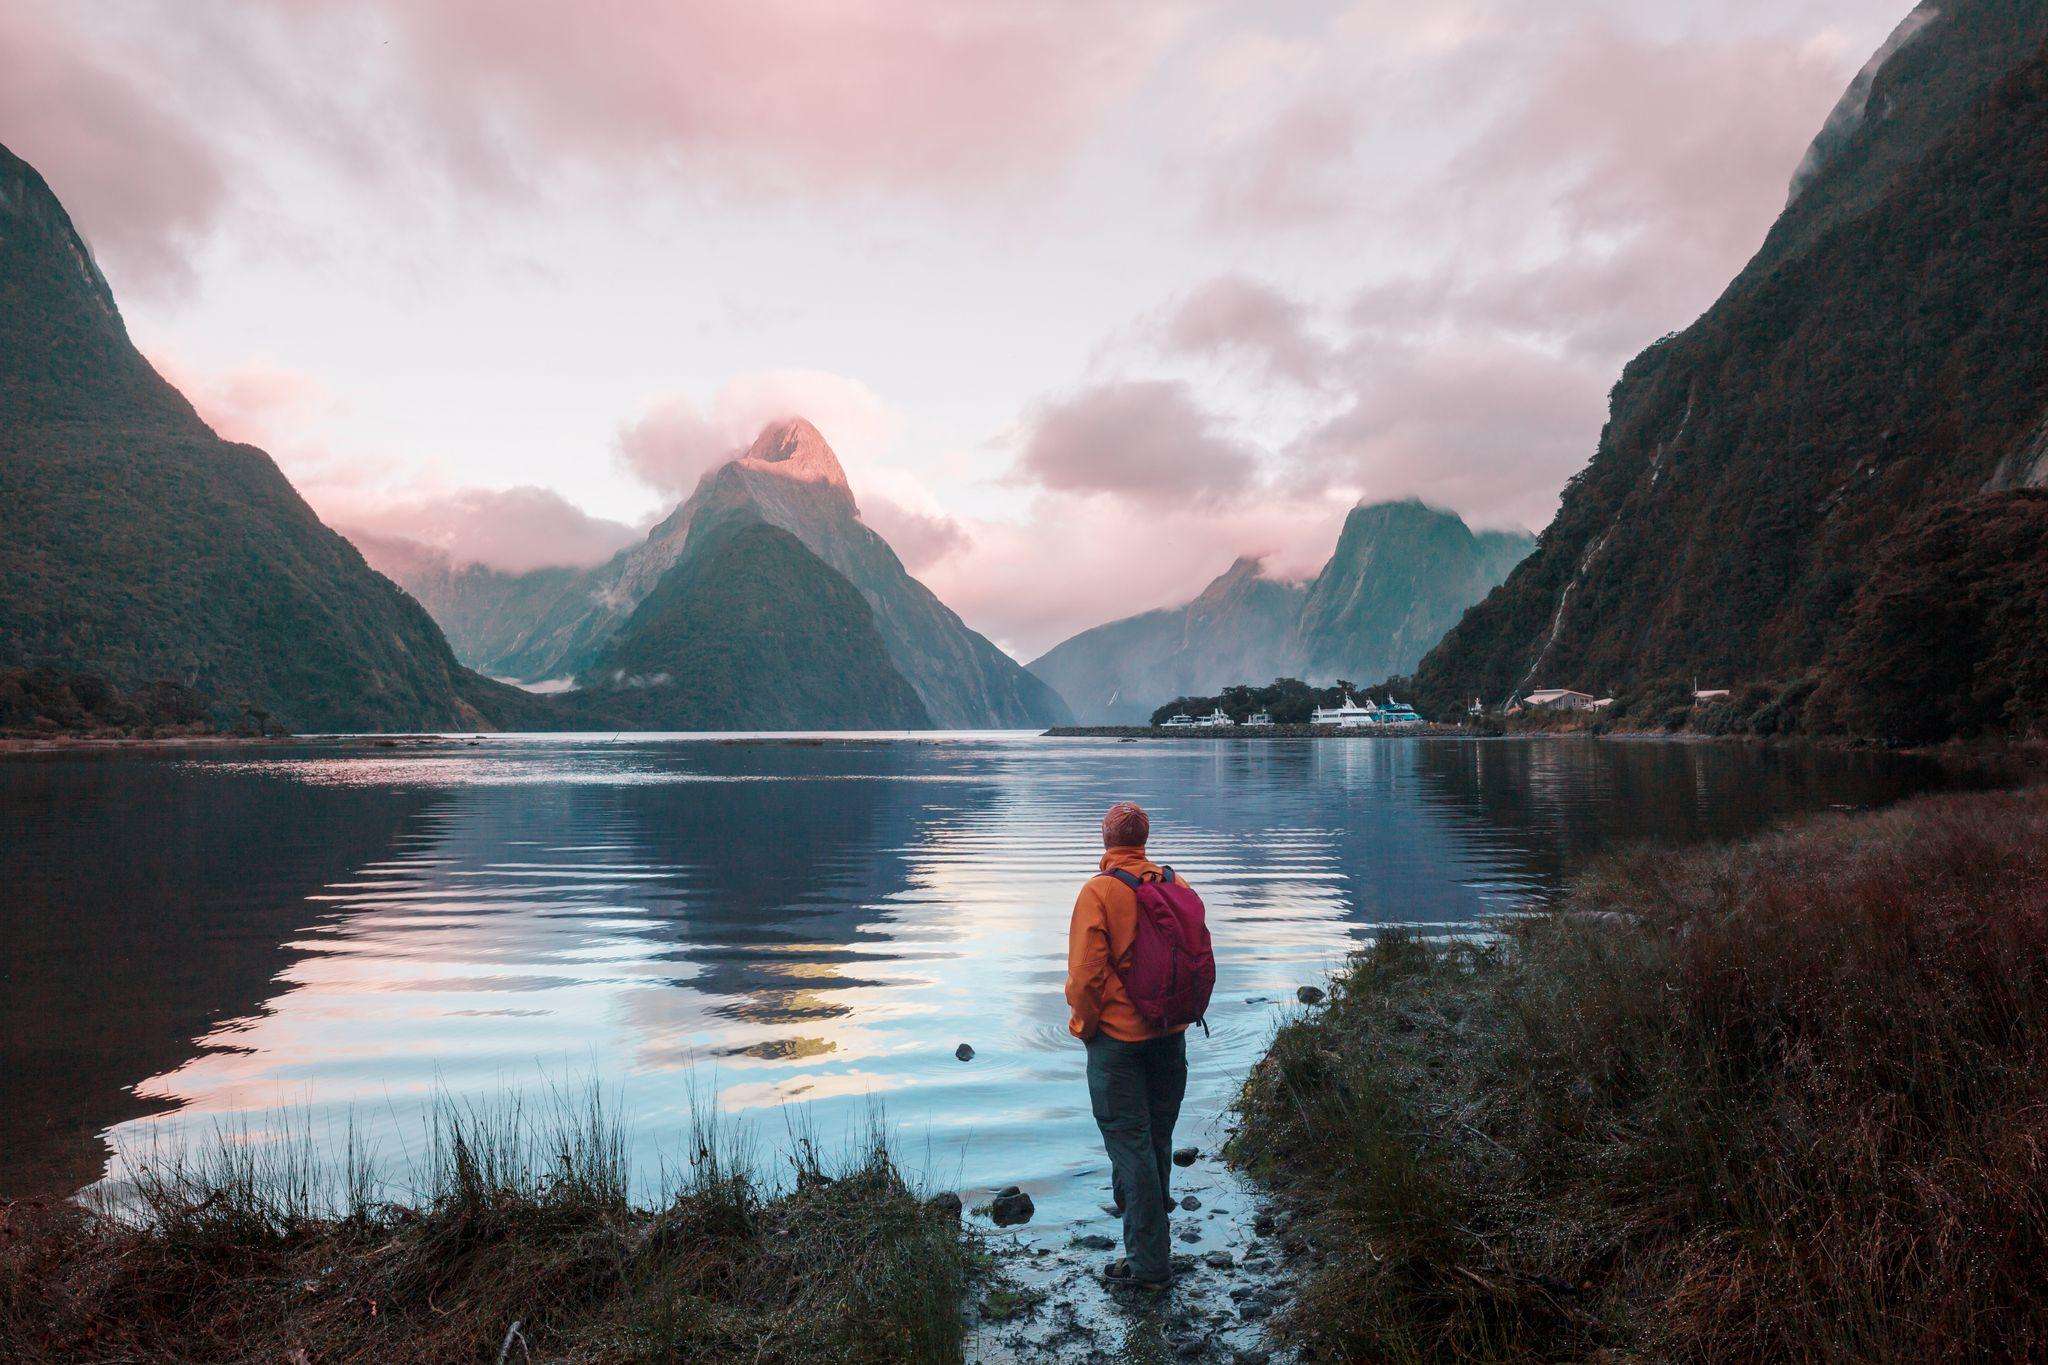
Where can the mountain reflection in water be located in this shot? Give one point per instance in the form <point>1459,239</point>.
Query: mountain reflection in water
<point>201,942</point>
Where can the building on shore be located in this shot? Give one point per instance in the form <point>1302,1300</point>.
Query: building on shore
<point>1560,699</point>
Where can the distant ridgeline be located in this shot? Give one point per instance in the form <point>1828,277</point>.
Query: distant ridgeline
<point>1401,575</point>
<point>145,561</point>
<point>1816,495</point>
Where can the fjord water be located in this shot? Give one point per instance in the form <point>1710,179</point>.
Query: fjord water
<point>794,930</point>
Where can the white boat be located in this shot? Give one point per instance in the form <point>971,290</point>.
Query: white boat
<point>1258,718</point>
<point>1182,721</point>
<point>1371,716</point>
<point>1215,720</point>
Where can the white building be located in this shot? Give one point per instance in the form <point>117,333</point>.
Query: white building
<point>1560,699</point>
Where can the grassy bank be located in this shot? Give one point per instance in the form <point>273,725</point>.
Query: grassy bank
<point>1784,1101</point>
<point>523,1245</point>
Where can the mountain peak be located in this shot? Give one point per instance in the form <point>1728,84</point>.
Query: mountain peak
<point>797,451</point>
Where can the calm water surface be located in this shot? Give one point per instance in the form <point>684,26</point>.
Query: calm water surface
<point>192,943</point>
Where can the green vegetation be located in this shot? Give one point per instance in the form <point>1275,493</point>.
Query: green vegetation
<point>49,701</point>
<point>751,631</point>
<point>523,1245</point>
<point>1781,1101</point>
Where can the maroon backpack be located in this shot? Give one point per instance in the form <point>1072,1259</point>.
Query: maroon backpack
<point>1172,967</point>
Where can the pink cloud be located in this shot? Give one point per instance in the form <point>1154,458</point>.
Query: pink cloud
<point>1144,440</point>
<point>1296,170</point>
<point>771,96</point>
<point>1489,426</point>
<point>1084,565</point>
<point>1234,316</point>
<point>513,529</point>
<point>510,529</point>
<point>919,538</point>
<point>140,182</point>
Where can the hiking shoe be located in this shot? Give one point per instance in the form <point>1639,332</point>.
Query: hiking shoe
<point>1117,1274</point>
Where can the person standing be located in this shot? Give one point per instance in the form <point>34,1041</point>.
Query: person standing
<point>1137,1066</point>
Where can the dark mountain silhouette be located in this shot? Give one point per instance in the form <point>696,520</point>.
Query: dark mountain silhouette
<point>1880,359</point>
<point>751,631</point>
<point>1401,575</point>
<point>137,545</point>
<point>534,629</point>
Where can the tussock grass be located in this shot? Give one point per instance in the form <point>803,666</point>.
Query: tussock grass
<point>1781,1101</point>
<point>520,1244</point>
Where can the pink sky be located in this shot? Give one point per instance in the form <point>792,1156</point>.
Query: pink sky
<point>507,276</point>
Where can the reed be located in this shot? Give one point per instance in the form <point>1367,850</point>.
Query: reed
<point>1781,1101</point>
<point>516,1240</point>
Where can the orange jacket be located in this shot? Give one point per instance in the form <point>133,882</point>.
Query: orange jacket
<point>1105,921</point>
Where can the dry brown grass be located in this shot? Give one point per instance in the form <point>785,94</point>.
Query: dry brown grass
<point>524,1248</point>
<point>1782,1101</point>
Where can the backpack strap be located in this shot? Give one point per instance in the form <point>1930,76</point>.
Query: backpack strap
<point>1165,876</point>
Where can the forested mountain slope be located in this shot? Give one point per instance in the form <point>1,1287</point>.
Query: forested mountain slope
<point>1881,358</point>
<point>751,631</point>
<point>137,545</point>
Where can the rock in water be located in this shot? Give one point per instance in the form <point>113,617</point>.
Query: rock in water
<point>1217,1260</point>
<point>964,1052</point>
<point>1094,1241</point>
<point>947,1204</point>
<point>1309,995</point>
<point>1185,1156</point>
<point>1011,1206</point>
<point>1190,1203</point>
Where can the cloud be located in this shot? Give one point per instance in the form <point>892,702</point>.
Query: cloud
<point>919,538</point>
<point>281,411</point>
<point>1491,427</point>
<point>1144,440</point>
<point>510,529</point>
<point>765,99</point>
<point>142,184</point>
<point>1296,171</point>
<point>1073,561</point>
<point>1234,316</point>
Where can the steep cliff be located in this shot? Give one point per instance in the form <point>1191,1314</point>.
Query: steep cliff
<point>136,544</point>
<point>1879,359</point>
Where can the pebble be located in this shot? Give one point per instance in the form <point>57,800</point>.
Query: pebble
<point>1185,1156</point>
<point>964,1052</point>
<point>1095,1241</point>
<point>1309,995</point>
<point>1218,1259</point>
<point>1190,1203</point>
<point>1191,1236</point>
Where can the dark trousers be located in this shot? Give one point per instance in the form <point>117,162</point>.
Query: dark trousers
<point>1136,1089</point>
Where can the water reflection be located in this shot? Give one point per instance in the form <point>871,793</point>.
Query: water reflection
<point>762,923</point>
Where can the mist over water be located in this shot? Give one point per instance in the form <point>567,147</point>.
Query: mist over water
<point>793,931</point>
